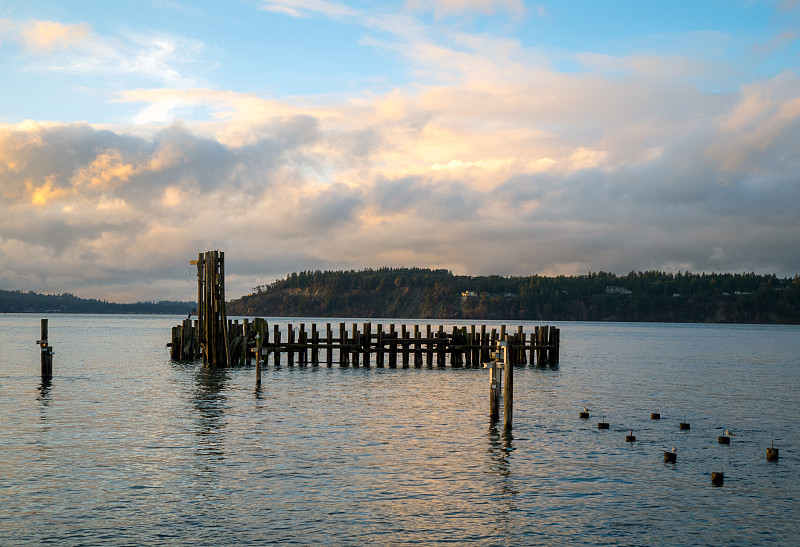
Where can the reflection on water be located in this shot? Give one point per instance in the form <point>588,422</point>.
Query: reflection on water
<point>209,400</point>
<point>147,451</point>
<point>500,449</point>
<point>44,392</point>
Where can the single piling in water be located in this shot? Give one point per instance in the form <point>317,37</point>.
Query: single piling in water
<point>258,359</point>
<point>494,392</point>
<point>508,387</point>
<point>46,353</point>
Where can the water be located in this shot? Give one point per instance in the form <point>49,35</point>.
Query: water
<point>126,447</point>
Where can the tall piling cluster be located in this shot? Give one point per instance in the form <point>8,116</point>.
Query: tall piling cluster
<point>212,319</point>
<point>208,335</point>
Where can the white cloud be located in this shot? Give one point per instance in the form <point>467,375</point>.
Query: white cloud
<point>443,8</point>
<point>77,49</point>
<point>305,8</point>
<point>489,160</point>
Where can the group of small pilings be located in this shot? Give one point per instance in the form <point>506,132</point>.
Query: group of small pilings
<point>671,456</point>
<point>383,345</point>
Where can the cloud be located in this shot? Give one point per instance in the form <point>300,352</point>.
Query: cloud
<point>46,36</point>
<point>76,49</point>
<point>443,8</point>
<point>488,160</point>
<point>304,8</point>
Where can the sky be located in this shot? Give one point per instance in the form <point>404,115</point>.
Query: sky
<point>480,136</point>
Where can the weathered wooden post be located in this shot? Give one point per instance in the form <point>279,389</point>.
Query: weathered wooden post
<point>440,345</point>
<point>508,387</point>
<point>494,392</point>
<point>277,336</point>
<point>314,345</point>
<point>246,341</point>
<point>258,359</point>
<point>356,344</point>
<point>453,352</point>
<point>417,347</point>
<point>498,359</point>
<point>46,352</point>
<point>392,347</point>
<point>344,360</point>
<point>773,453</point>
<point>367,343</point>
<point>429,347</point>
<point>329,345</point>
<point>302,339</point>
<point>290,349</point>
<point>404,350</point>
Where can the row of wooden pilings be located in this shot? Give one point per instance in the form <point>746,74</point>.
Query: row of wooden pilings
<point>466,346</point>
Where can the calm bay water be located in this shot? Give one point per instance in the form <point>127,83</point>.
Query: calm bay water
<point>126,447</point>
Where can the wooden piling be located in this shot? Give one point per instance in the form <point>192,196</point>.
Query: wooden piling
<point>367,343</point>
<point>773,453</point>
<point>440,351</point>
<point>277,352</point>
<point>404,348</point>
<point>302,353</point>
<point>314,345</point>
<point>329,349</point>
<point>379,353</point>
<point>508,388</point>
<point>417,348</point>
<point>258,359</point>
<point>344,359</point>
<point>356,345</point>
<point>428,346</point>
<point>392,347</point>
<point>494,392</point>
<point>46,352</point>
<point>290,346</point>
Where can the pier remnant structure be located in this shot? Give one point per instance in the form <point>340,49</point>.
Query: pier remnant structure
<point>224,342</point>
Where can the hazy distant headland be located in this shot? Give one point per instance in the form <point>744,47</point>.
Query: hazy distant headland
<point>31,302</point>
<point>438,294</point>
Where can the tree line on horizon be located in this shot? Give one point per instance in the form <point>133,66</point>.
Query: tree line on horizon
<point>32,302</point>
<point>420,293</point>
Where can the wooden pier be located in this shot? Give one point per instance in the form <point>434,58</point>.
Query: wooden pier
<point>223,342</point>
<point>369,344</point>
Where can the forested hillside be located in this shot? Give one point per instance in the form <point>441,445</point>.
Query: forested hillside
<point>598,296</point>
<point>22,302</point>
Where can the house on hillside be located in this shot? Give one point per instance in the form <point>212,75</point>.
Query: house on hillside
<point>613,289</point>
